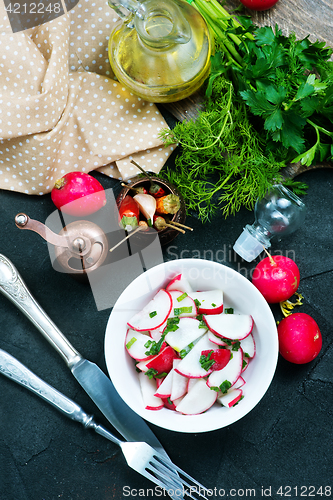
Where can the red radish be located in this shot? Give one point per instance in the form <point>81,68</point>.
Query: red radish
<point>209,302</point>
<point>182,305</point>
<point>169,404</point>
<point>78,194</point>
<point>217,340</point>
<point>230,326</point>
<point>191,383</point>
<point>276,277</point>
<point>189,329</point>
<point>163,361</point>
<point>220,357</point>
<point>230,398</point>
<point>190,366</point>
<point>240,382</point>
<point>248,346</point>
<point>179,383</point>
<point>129,213</point>
<point>148,389</point>
<point>142,365</point>
<point>230,372</point>
<point>258,4</point>
<point>154,314</point>
<point>180,376</point>
<point>199,399</point>
<point>179,282</point>
<point>246,361</point>
<point>164,386</point>
<point>135,344</point>
<point>300,340</point>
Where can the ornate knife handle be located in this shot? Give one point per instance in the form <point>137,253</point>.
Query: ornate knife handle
<point>14,370</point>
<point>13,287</point>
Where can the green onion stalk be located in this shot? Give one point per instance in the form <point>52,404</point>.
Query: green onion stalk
<point>227,32</point>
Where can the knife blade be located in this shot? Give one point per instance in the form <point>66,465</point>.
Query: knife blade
<point>93,380</point>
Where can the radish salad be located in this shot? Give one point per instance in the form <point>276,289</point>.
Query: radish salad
<point>190,351</point>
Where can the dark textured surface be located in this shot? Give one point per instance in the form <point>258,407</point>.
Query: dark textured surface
<point>285,441</point>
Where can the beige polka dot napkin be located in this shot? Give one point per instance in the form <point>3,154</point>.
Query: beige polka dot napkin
<point>60,108</point>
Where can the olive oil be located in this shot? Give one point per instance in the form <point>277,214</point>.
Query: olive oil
<point>157,62</point>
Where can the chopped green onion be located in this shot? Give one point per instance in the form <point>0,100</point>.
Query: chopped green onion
<point>172,325</point>
<point>235,345</point>
<point>206,362</point>
<point>213,305</point>
<point>151,373</point>
<point>225,386</point>
<point>197,303</point>
<point>182,297</point>
<point>186,350</point>
<point>229,310</point>
<point>130,342</point>
<point>152,314</point>
<point>182,310</point>
<point>153,346</point>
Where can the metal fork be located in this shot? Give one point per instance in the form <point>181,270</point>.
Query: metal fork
<point>139,455</point>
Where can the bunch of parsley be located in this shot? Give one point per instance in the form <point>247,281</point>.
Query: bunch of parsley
<point>288,83</point>
<point>269,101</point>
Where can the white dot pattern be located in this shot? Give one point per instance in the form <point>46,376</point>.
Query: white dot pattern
<point>61,110</point>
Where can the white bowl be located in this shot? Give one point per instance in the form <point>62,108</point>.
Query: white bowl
<point>240,294</point>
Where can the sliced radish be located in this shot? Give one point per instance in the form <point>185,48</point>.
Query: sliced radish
<point>179,282</point>
<point>199,399</point>
<point>179,383</point>
<point>182,305</point>
<point>163,361</point>
<point>230,326</point>
<point>230,398</point>
<point>190,365</point>
<point>220,357</point>
<point>164,388</point>
<point>142,365</point>
<point>135,344</point>
<point>245,364</point>
<point>240,382</point>
<point>230,372</point>
<point>148,389</point>
<point>191,383</point>
<point>156,334</point>
<point>169,404</point>
<point>215,339</point>
<point>189,329</point>
<point>248,345</point>
<point>154,314</point>
<point>210,302</point>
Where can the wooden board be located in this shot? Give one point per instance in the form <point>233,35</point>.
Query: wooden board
<point>313,18</point>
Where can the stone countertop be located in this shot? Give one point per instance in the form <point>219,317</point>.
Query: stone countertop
<point>285,442</point>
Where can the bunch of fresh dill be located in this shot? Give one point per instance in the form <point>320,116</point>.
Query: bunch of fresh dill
<point>222,163</point>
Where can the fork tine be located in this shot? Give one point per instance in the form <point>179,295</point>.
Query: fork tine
<point>166,469</point>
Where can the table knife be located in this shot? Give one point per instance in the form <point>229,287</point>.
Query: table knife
<point>93,380</point>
